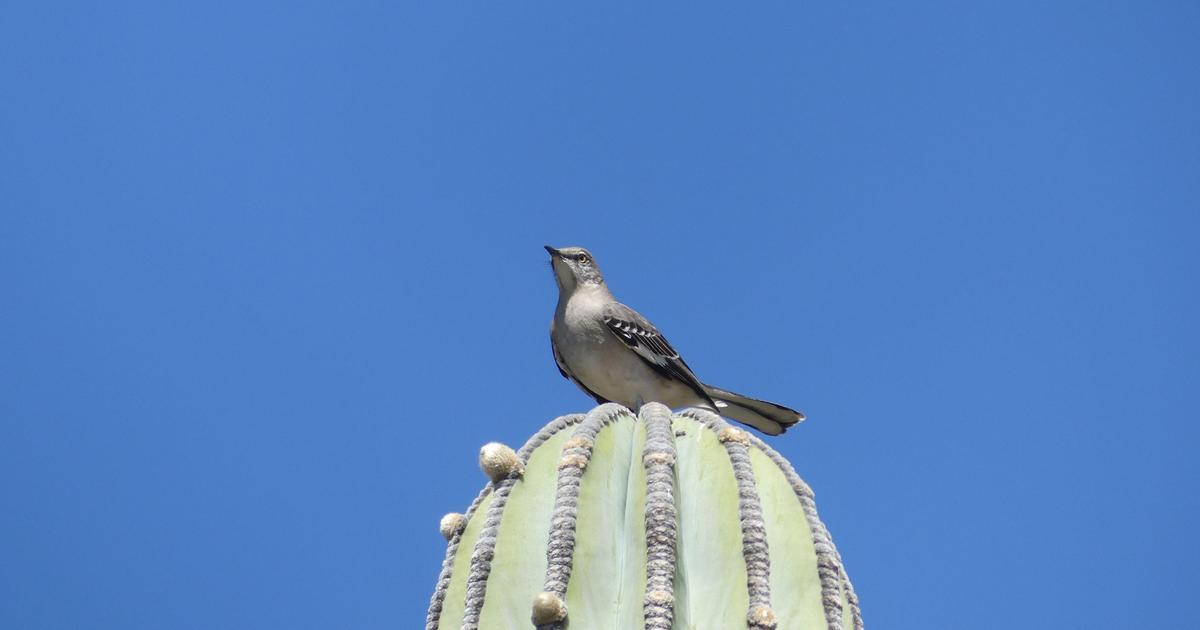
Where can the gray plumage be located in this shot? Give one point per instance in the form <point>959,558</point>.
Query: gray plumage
<point>615,355</point>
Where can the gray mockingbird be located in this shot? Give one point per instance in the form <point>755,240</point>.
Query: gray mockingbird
<point>615,355</point>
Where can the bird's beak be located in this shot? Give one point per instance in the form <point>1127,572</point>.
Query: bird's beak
<point>553,252</point>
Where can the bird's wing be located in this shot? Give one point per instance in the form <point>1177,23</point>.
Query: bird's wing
<point>642,337</point>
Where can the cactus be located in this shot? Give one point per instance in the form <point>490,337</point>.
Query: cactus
<point>607,522</point>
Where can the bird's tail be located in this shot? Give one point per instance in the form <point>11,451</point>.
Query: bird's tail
<point>765,416</point>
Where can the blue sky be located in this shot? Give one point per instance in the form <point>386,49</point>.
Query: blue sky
<point>272,272</point>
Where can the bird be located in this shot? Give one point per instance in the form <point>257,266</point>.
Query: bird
<point>614,354</point>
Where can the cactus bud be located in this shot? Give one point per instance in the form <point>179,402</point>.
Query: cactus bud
<point>451,524</point>
<point>499,462</point>
<point>731,434</point>
<point>762,617</point>
<point>548,608</point>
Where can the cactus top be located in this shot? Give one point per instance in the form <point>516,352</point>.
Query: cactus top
<point>660,521</point>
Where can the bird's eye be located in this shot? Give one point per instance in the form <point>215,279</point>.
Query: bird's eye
<point>584,258</point>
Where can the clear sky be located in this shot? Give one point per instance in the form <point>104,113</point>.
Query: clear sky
<point>272,272</point>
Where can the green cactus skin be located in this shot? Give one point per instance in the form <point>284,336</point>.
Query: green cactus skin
<point>660,521</point>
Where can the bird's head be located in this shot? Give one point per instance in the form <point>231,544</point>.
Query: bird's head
<point>574,268</point>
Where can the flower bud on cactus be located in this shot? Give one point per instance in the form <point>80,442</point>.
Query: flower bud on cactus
<point>499,461</point>
<point>452,524</point>
<point>608,522</point>
<point>548,608</point>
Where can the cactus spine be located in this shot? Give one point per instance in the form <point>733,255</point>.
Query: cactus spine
<point>608,521</point>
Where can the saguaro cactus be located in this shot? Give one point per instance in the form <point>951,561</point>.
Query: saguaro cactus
<point>608,522</point>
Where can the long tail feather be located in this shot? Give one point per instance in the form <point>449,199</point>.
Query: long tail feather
<point>767,417</point>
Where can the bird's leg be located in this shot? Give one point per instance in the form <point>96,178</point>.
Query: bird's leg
<point>638,404</point>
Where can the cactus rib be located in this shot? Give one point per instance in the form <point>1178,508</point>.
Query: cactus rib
<point>439,594</point>
<point>829,561</point>
<point>754,535</point>
<point>659,460</point>
<point>575,455</point>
